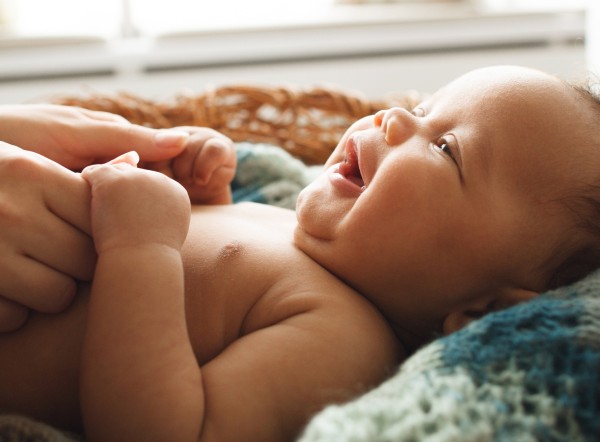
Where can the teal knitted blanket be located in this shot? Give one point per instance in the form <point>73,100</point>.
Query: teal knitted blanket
<point>269,175</point>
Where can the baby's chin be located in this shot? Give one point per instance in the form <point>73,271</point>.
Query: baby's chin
<point>310,217</point>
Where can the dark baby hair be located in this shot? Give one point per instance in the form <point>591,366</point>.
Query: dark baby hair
<point>584,207</point>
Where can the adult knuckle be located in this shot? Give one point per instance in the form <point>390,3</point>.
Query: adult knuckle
<point>58,295</point>
<point>21,165</point>
<point>64,297</point>
<point>8,209</point>
<point>12,316</point>
<point>13,214</point>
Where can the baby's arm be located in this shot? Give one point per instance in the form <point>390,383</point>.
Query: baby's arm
<point>139,376</point>
<point>205,167</point>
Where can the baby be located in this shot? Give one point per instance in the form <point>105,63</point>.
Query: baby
<point>245,325</point>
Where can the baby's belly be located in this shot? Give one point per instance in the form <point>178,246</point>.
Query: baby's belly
<point>39,366</point>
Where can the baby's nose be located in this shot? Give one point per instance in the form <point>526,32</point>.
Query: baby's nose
<point>397,124</point>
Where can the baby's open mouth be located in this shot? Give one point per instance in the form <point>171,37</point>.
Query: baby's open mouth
<point>349,168</point>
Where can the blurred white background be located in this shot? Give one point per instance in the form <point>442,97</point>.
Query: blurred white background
<point>158,48</point>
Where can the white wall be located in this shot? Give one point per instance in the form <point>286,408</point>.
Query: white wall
<point>376,57</point>
<point>592,36</point>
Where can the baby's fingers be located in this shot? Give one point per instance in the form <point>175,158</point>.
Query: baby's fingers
<point>131,158</point>
<point>122,162</point>
<point>215,154</point>
<point>196,166</point>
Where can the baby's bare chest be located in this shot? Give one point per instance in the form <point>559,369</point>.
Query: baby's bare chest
<point>236,272</point>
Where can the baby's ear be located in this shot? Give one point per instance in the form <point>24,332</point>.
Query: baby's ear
<point>484,305</point>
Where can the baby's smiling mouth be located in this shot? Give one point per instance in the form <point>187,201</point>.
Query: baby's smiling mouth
<point>349,168</point>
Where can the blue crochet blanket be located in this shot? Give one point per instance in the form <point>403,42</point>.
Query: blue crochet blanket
<point>530,373</point>
<point>269,175</point>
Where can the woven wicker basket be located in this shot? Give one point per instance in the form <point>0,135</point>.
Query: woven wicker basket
<point>306,122</point>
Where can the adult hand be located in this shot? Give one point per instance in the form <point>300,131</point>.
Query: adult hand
<point>76,137</point>
<point>44,242</point>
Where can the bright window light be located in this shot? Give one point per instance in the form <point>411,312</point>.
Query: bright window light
<point>127,18</point>
<point>156,16</point>
<point>105,17</point>
<point>62,17</point>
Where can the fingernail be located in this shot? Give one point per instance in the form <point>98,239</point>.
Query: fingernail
<point>88,169</point>
<point>131,157</point>
<point>170,138</point>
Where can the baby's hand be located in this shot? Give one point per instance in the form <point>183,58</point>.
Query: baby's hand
<point>134,207</point>
<point>205,168</point>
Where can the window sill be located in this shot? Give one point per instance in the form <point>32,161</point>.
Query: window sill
<point>342,31</point>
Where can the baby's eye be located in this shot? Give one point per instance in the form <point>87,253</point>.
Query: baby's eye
<point>445,147</point>
<point>450,147</point>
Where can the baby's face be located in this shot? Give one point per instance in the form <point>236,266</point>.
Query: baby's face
<point>445,208</point>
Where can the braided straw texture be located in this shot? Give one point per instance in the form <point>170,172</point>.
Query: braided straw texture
<point>307,123</point>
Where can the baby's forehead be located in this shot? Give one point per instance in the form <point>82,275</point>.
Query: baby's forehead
<point>513,98</point>
<point>537,121</point>
<point>510,80</point>
<point>513,76</point>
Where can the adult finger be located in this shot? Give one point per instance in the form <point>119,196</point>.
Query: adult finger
<point>111,140</point>
<point>67,195</point>
<point>12,315</point>
<point>103,116</point>
<point>59,245</point>
<point>45,186</point>
<point>47,212</point>
<point>35,285</point>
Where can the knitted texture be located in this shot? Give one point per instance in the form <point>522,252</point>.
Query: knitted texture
<point>267,174</point>
<point>529,373</point>
<point>14,428</point>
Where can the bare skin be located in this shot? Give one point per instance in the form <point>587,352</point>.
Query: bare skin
<point>279,337</point>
